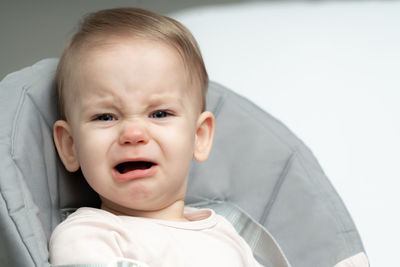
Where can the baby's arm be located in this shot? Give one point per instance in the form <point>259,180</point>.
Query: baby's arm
<point>76,241</point>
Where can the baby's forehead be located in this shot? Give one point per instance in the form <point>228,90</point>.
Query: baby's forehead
<point>103,43</point>
<point>85,62</point>
<point>84,57</point>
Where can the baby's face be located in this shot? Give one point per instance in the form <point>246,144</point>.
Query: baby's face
<point>134,123</point>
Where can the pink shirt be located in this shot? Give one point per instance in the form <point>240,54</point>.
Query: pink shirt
<point>96,236</point>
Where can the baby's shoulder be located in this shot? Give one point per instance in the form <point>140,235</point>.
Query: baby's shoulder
<point>91,214</point>
<point>87,235</point>
<point>84,222</point>
<point>89,218</point>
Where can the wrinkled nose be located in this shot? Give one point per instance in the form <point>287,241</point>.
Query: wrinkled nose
<point>133,133</point>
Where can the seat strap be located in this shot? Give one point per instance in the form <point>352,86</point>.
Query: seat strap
<point>262,243</point>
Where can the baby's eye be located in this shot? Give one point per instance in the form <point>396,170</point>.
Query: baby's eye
<point>159,114</point>
<point>105,117</point>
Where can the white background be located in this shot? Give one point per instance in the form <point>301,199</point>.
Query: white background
<point>331,73</point>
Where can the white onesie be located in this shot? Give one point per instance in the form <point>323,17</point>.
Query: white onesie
<point>96,236</point>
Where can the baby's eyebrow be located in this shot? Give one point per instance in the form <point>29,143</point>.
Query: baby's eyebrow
<point>99,102</point>
<point>162,99</point>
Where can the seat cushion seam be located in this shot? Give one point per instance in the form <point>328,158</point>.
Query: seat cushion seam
<point>277,187</point>
<point>15,121</point>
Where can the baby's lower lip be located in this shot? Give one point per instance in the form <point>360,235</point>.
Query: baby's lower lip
<point>134,174</point>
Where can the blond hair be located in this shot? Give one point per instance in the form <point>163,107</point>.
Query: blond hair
<point>137,23</point>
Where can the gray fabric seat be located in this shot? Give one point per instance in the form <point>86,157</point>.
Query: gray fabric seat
<point>256,163</point>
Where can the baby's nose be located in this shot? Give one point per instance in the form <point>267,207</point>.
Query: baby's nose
<point>134,133</point>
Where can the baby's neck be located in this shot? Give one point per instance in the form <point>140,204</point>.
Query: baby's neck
<point>173,212</point>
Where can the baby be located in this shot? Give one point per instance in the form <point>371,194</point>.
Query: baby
<point>132,88</point>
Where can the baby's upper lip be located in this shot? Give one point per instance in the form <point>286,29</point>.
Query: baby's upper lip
<point>127,159</point>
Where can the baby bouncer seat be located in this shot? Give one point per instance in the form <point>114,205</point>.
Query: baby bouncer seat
<point>256,163</point>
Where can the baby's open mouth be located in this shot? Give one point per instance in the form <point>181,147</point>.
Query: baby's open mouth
<point>128,166</point>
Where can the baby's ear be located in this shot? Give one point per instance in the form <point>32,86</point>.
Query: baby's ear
<point>204,136</point>
<point>65,145</point>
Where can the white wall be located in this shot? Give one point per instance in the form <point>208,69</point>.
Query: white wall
<point>331,72</point>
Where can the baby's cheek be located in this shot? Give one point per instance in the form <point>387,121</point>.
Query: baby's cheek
<point>90,151</point>
<point>181,143</point>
